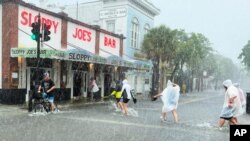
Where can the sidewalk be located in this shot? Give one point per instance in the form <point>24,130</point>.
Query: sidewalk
<point>4,109</point>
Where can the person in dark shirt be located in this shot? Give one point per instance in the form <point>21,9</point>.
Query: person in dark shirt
<point>48,86</point>
<point>117,93</point>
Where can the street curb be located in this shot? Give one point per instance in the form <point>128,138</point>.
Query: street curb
<point>80,104</point>
<point>66,105</point>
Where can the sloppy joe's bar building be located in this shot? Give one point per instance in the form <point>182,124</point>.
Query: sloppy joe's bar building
<point>75,52</point>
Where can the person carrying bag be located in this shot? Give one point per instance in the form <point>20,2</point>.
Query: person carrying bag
<point>133,96</point>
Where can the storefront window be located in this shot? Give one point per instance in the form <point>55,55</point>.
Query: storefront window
<point>64,72</point>
<point>80,66</point>
<point>14,74</point>
<point>45,63</point>
<point>108,69</point>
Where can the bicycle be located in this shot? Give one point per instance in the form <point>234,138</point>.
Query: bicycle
<point>42,103</point>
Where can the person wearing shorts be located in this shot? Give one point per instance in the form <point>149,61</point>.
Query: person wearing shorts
<point>117,93</point>
<point>125,100</point>
<point>170,98</point>
<point>126,95</point>
<point>232,105</point>
<point>48,86</point>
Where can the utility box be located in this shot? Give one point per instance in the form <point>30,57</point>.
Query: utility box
<point>248,103</point>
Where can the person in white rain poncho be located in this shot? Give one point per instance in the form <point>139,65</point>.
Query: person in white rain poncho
<point>126,95</point>
<point>232,104</point>
<point>170,98</point>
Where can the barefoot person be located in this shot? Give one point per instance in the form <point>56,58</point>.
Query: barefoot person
<point>117,93</point>
<point>232,107</point>
<point>126,95</point>
<point>170,98</point>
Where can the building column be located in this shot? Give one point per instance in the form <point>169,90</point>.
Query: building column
<point>121,45</point>
<point>9,40</point>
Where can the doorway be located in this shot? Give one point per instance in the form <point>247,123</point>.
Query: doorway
<point>35,76</point>
<point>80,82</point>
<point>107,84</point>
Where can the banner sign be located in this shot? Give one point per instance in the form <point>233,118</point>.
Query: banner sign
<point>32,53</point>
<point>113,13</point>
<point>76,55</point>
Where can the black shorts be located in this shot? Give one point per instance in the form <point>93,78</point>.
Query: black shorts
<point>118,100</point>
<point>125,100</point>
<point>226,118</point>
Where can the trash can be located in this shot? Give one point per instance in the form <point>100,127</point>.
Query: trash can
<point>248,103</point>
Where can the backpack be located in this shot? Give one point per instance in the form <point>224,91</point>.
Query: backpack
<point>124,94</point>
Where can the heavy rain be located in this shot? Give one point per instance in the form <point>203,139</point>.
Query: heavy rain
<point>124,70</point>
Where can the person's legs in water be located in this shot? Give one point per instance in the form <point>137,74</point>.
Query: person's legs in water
<point>233,121</point>
<point>52,105</point>
<point>163,114</point>
<point>175,115</point>
<point>125,106</point>
<point>221,122</point>
<point>120,106</point>
<point>125,109</point>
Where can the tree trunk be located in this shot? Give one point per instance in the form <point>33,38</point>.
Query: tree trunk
<point>191,84</point>
<point>161,74</point>
<point>202,84</point>
<point>174,71</point>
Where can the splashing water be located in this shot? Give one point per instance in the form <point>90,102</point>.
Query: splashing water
<point>113,106</point>
<point>37,114</point>
<point>205,124</point>
<point>43,113</point>
<point>132,112</point>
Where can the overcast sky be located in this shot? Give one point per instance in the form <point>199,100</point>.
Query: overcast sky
<point>226,23</point>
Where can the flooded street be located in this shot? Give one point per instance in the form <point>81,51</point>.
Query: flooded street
<point>198,116</point>
<point>124,70</point>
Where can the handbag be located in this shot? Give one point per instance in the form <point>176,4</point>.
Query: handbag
<point>133,97</point>
<point>95,88</point>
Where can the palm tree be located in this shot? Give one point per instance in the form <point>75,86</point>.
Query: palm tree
<point>159,46</point>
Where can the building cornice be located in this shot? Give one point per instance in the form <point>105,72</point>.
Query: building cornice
<point>146,6</point>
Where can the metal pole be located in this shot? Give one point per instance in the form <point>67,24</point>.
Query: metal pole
<point>38,42</point>
<point>31,93</point>
<point>38,52</point>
